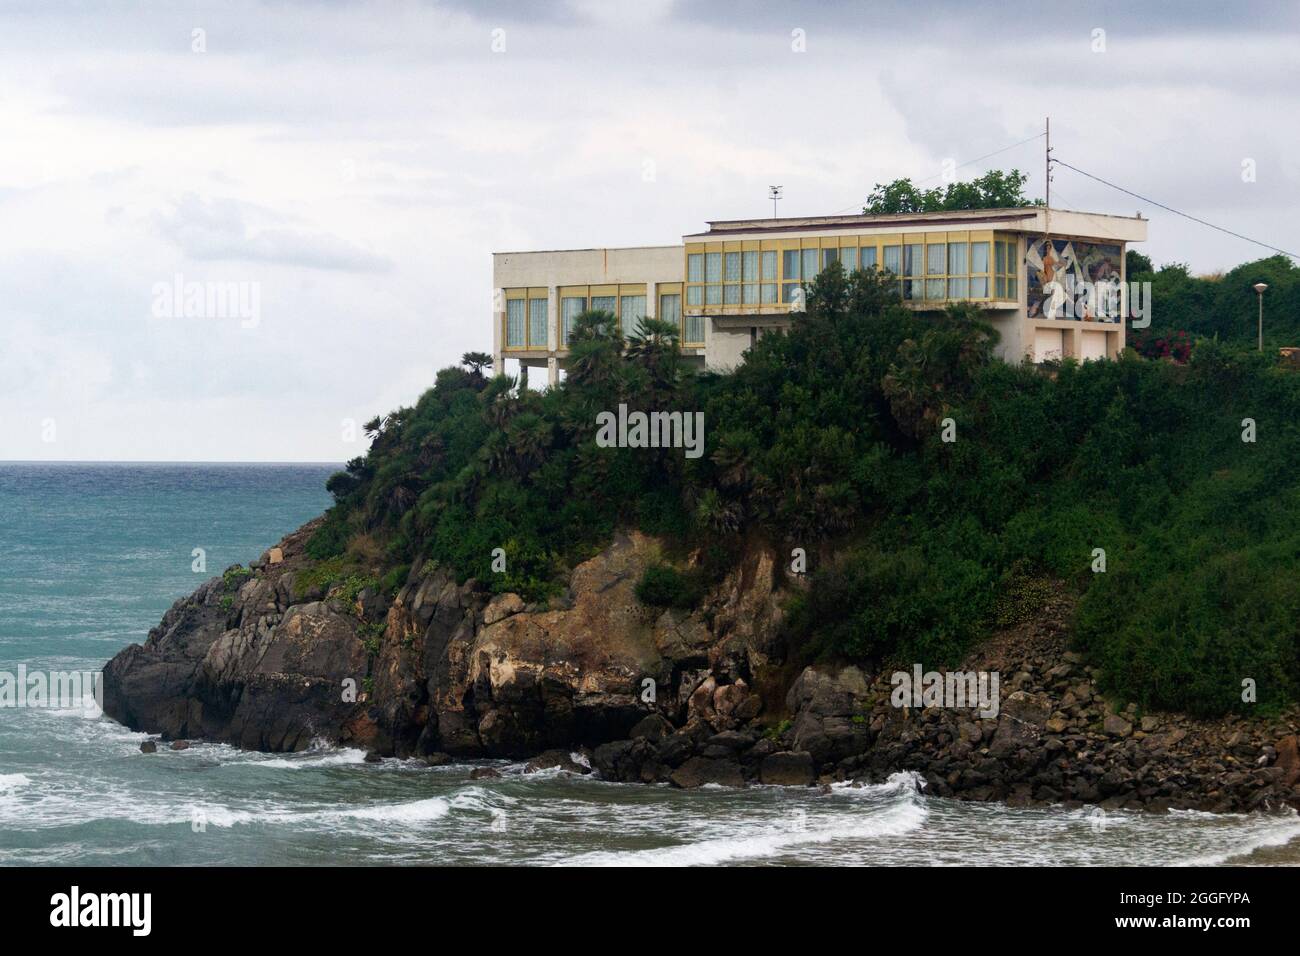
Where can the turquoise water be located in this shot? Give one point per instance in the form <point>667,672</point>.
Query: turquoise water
<point>92,555</point>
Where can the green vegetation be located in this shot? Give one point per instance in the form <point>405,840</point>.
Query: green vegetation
<point>233,577</point>
<point>665,586</point>
<point>994,190</point>
<point>829,438</point>
<point>1222,306</point>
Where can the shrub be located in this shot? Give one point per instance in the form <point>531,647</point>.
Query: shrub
<point>664,586</point>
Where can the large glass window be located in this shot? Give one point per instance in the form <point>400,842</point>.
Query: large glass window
<point>695,267</point>
<point>603,303</point>
<point>670,308</point>
<point>695,295</point>
<point>957,259</point>
<point>790,265</point>
<point>958,285</point>
<point>912,259</point>
<point>515,323</point>
<point>829,256</point>
<point>733,267</point>
<point>570,308</point>
<point>979,268</point>
<point>893,262</point>
<point>713,295</point>
<point>694,334</point>
<point>849,256</point>
<point>537,323</point>
<point>713,267</point>
<point>769,265</point>
<point>868,258</point>
<point>934,259</point>
<point>631,311</point>
<point>809,265</point>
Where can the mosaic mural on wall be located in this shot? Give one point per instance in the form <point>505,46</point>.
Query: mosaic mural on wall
<point>1071,279</point>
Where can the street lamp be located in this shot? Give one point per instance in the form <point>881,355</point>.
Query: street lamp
<point>1259,290</point>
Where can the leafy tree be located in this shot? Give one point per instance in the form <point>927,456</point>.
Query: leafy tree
<point>994,190</point>
<point>476,361</point>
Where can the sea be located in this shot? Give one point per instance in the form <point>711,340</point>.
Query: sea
<point>91,555</point>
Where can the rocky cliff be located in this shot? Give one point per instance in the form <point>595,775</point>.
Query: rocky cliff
<point>270,659</point>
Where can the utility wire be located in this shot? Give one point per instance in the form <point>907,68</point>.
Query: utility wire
<point>860,205</point>
<point>1176,212</point>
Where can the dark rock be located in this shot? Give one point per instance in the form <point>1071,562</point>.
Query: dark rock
<point>787,768</point>
<point>180,745</point>
<point>484,773</point>
<point>550,759</point>
<point>698,771</point>
<point>676,748</point>
<point>148,747</point>
<point>652,727</point>
<point>437,759</point>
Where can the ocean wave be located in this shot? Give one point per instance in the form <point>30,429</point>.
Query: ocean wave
<point>13,781</point>
<point>309,760</point>
<point>1261,833</point>
<point>905,813</point>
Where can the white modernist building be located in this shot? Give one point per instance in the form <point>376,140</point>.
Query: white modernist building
<point>1051,281</point>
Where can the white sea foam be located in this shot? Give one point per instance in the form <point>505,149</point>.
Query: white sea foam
<point>13,781</point>
<point>418,811</point>
<point>901,811</point>
<point>310,760</point>
<point>1261,833</point>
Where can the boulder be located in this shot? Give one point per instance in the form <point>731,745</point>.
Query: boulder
<point>698,771</point>
<point>652,727</point>
<point>788,768</point>
<point>555,759</point>
<point>1116,726</point>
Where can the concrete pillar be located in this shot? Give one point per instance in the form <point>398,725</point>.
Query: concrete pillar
<point>554,320</point>
<point>498,331</point>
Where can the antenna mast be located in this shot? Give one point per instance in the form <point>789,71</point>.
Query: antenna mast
<point>774,193</point>
<point>1047,172</point>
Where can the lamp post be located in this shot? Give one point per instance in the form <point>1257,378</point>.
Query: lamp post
<point>1259,290</point>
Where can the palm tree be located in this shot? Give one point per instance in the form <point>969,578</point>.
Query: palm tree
<point>476,361</point>
<point>653,346</point>
<point>595,346</point>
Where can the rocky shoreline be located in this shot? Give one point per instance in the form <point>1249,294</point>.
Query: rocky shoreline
<point>277,656</point>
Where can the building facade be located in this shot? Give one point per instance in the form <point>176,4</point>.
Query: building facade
<point>1051,281</point>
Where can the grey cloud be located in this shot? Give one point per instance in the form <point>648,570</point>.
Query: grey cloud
<point>219,230</point>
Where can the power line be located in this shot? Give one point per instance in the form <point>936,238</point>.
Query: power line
<point>1175,211</point>
<point>969,162</point>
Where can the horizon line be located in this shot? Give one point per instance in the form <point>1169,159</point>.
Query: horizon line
<point>159,461</point>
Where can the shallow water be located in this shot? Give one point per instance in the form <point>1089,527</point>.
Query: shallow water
<point>90,557</point>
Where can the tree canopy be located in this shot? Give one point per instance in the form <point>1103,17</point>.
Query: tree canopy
<point>994,190</point>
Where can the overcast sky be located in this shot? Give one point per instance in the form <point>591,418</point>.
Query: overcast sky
<point>358,166</point>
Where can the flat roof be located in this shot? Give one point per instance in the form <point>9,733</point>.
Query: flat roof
<point>815,223</point>
<point>537,252</point>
